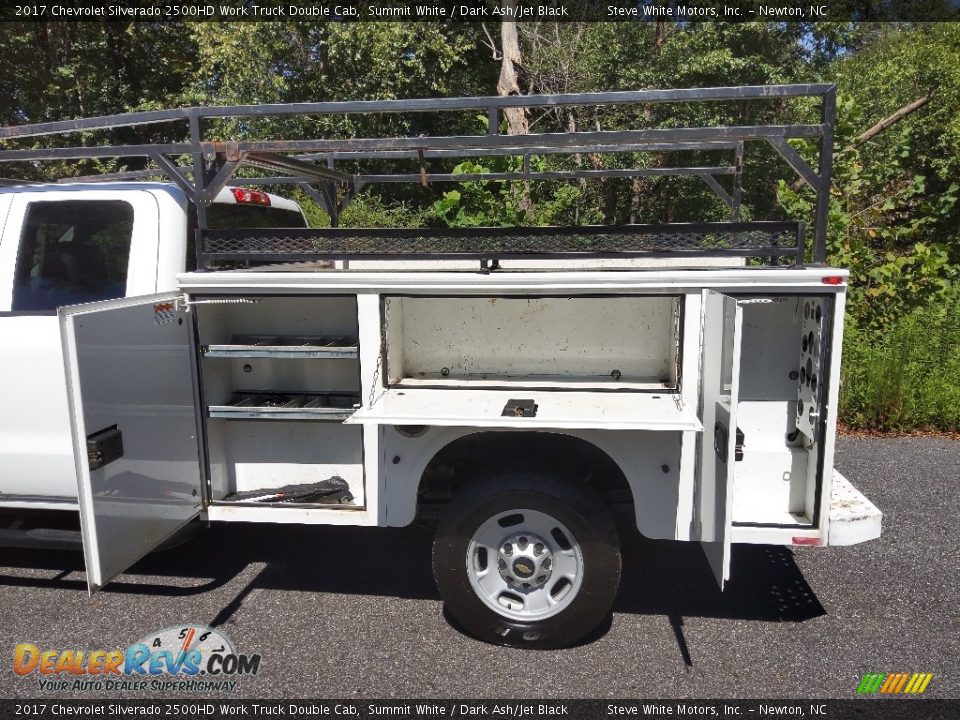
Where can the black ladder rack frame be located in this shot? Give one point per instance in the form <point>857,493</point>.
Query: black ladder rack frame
<point>311,164</point>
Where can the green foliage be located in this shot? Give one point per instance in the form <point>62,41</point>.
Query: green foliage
<point>500,204</point>
<point>893,211</point>
<point>907,376</point>
<point>365,211</point>
<point>572,57</point>
<point>61,70</point>
<point>879,227</point>
<point>310,62</point>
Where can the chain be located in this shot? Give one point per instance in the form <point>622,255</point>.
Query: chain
<point>678,341</point>
<point>373,397</point>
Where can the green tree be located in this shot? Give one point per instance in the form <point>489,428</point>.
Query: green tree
<point>57,71</point>
<point>894,211</point>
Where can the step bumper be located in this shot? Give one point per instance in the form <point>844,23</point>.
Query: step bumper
<point>853,518</point>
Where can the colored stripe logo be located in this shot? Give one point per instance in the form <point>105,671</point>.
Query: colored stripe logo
<point>894,683</point>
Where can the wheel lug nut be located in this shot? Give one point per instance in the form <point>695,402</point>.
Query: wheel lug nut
<point>503,565</point>
<point>538,549</point>
<point>522,543</point>
<point>542,579</point>
<point>546,563</point>
<point>507,550</point>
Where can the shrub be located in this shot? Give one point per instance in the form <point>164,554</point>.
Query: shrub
<point>905,376</point>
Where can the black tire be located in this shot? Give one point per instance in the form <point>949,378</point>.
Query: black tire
<point>181,537</point>
<point>578,508</point>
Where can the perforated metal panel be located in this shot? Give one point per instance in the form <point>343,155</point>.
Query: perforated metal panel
<point>755,239</point>
<point>812,365</point>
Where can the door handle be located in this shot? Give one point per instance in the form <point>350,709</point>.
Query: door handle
<point>104,446</point>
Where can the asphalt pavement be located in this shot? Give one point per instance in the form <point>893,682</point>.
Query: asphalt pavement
<point>353,613</point>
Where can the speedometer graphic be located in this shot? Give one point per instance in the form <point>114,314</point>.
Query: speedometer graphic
<point>180,649</point>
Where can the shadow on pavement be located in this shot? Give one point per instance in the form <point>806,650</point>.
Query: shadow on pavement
<point>665,578</point>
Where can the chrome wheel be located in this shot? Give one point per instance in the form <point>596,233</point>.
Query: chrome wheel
<point>524,565</point>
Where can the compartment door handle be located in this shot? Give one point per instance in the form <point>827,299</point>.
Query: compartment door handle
<point>104,446</point>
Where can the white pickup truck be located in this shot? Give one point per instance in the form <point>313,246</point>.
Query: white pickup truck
<point>518,405</point>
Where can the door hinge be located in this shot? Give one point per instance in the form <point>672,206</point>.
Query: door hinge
<point>696,529</point>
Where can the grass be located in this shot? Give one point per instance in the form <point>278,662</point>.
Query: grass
<point>906,377</point>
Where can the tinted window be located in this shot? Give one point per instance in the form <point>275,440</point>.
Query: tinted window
<point>72,252</point>
<point>227,217</point>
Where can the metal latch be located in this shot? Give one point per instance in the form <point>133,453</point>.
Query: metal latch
<point>720,442</point>
<point>104,446</point>
<point>519,408</point>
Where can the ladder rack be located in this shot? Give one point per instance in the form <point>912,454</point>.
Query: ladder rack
<point>203,167</point>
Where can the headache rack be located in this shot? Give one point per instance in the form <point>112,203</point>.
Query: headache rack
<point>202,168</point>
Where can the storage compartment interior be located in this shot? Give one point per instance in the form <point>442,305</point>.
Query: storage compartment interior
<point>616,342</point>
<point>783,361</point>
<point>257,456</point>
<point>280,375</point>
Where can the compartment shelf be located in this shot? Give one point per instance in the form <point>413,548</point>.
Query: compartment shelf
<point>296,346</point>
<point>533,382</point>
<point>555,409</point>
<point>287,406</point>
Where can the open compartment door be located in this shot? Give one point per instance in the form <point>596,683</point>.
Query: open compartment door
<point>720,374</point>
<point>130,383</point>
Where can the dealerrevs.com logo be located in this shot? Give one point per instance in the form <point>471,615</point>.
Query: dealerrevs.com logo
<point>185,658</point>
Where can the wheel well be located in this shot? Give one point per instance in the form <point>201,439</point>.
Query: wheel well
<point>483,453</point>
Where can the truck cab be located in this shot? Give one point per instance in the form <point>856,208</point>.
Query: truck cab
<point>70,244</point>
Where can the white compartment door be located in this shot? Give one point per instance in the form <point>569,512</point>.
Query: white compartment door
<point>130,383</point>
<point>720,375</point>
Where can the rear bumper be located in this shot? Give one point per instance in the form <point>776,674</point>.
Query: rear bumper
<point>853,518</point>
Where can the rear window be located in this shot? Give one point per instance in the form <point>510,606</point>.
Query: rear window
<point>72,252</point>
<point>226,217</point>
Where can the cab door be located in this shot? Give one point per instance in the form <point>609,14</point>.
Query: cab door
<point>719,388</point>
<point>131,379</point>
<point>59,247</point>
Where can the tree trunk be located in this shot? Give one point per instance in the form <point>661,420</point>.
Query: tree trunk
<point>636,187</point>
<point>891,119</point>
<point>872,132</point>
<point>660,37</point>
<point>508,83</point>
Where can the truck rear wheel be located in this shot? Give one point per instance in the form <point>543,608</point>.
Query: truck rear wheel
<point>527,560</point>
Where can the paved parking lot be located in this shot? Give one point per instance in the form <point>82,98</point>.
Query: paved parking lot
<point>342,612</point>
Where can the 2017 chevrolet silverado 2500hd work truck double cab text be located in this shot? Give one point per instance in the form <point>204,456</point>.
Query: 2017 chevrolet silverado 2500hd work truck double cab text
<point>190,349</point>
